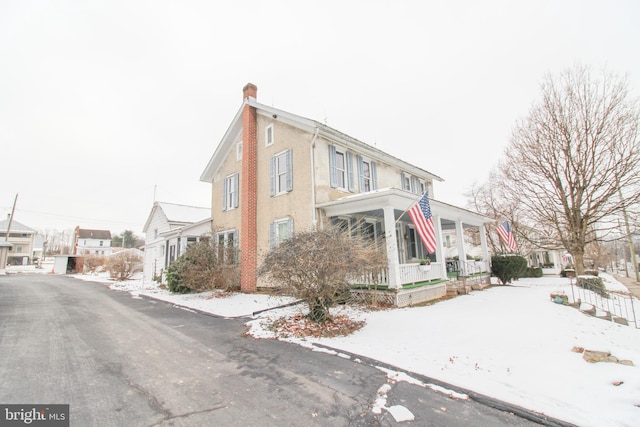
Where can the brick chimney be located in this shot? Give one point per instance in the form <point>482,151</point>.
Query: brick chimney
<point>249,194</point>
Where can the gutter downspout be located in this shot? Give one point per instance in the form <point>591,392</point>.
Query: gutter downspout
<point>314,215</point>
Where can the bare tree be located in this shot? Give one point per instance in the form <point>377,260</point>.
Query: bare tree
<point>572,164</point>
<point>317,266</point>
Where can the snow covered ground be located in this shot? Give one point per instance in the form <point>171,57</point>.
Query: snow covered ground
<point>508,342</point>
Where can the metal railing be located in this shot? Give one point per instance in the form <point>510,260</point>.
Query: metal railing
<point>614,305</point>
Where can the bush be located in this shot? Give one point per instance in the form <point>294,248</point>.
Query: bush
<point>508,268</point>
<point>317,266</point>
<point>593,284</point>
<point>174,280</point>
<point>534,272</point>
<point>122,265</point>
<point>202,268</point>
<point>93,263</point>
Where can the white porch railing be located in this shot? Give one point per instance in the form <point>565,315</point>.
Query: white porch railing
<point>409,273</point>
<point>414,273</point>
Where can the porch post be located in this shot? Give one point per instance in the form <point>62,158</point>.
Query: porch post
<point>483,243</point>
<point>462,255</point>
<point>392,247</point>
<point>440,257</point>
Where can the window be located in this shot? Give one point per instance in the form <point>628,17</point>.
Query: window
<point>155,233</point>
<point>239,151</point>
<point>281,173</point>
<point>268,135</point>
<point>172,253</point>
<point>341,169</point>
<point>367,175</point>
<point>279,231</point>
<point>415,248</point>
<point>227,244</point>
<point>413,184</point>
<point>101,242</point>
<point>19,249</point>
<point>230,192</point>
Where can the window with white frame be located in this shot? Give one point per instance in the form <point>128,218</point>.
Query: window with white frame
<point>227,245</point>
<point>268,135</point>
<point>281,168</point>
<point>341,168</point>
<point>239,151</point>
<point>230,192</point>
<point>366,174</point>
<point>413,184</point>
<point>280,230</point>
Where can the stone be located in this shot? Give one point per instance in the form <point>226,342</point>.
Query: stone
<point>593,356</point>
<point>577,349</point>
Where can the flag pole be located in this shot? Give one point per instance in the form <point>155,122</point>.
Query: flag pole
<point>411,205</point>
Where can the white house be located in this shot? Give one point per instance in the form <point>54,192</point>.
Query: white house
<point>92,242</point>
<point>169,229</point>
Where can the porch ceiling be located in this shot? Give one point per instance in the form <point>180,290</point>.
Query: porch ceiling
<point>372,203</point>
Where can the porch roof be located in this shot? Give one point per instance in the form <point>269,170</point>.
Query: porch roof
<point>371,204</point>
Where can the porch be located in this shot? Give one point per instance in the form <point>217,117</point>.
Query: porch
<point>380,216</point>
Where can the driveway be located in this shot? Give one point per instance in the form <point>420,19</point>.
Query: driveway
<point>123,361</point>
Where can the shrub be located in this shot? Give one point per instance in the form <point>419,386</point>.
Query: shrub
<point>593,284</point>
<point>317,266</point>
<point>203,268</point>
<point>508,268</point>
<point>93,263</point>
<point>534,272</point>
<point>122,265</point>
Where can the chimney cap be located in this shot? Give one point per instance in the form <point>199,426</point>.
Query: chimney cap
<point>249,90</point>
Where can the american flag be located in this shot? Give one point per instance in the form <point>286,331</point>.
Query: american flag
<point>420,215</point>
<point>504,230</point>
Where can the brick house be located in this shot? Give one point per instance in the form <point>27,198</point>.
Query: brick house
<point>274,172</point>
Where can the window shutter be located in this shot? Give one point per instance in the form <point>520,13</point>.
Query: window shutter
<point>332,166</point>
<point>224,194</point>
<point>289,161</point>
<point>360,176</point>
<point>272,174</point>
<point>236,192</point>
<point>374,176</point>
<point>350,182</point>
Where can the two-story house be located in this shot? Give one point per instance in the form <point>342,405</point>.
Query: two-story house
<point>274,172</point>
<point>91,242</point>
<point>21,238</point>
<point>169,229</point>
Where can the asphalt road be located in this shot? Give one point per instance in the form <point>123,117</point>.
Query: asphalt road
<point>124,361</point>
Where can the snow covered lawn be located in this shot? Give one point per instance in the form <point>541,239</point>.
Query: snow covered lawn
<point>508,342</point>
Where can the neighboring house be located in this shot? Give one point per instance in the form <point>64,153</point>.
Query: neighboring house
<point>169,229</point>
<point>275,172</point>
<point>22,239</point>
<point>91,242</point>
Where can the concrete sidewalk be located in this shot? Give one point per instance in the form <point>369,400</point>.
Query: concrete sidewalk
<point>630,283</point>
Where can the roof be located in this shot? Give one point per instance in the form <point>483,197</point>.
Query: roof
<point>180,214</point>
<point>309,125</point>
<point>94,234</point>
<point>15,227</point>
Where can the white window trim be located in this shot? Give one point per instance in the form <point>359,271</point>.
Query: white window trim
<point>269,141</point>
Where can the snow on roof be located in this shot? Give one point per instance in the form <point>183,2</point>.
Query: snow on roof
<point>184,213</point>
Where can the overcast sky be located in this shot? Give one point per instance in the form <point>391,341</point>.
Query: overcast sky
<point>104,104</point>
